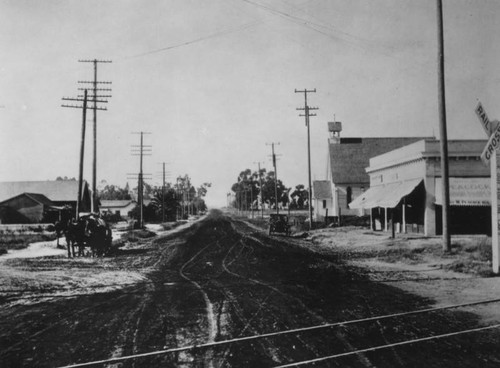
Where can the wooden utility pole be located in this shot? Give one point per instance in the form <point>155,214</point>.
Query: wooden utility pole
<point>163,195</point>
<point>443,132</point>
<point>275,177</point>
<point>164,176</point>
<point>82,151</point>
<point>82,148</point>
<point>94,100</point>
<point>141,151</point>
<point>260,189</point>
<point>307,114</point>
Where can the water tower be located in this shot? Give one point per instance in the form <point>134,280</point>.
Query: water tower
<point>334,129</point>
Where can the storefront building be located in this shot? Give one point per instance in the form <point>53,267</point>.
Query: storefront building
<point>405,191</point>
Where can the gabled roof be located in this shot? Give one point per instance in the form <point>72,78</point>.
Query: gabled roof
<point>322,189</point>
<point>56,191</point>
<point>350,157</point>
<point>38,198</point>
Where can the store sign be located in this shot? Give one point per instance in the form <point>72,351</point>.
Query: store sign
<point>466,191</point>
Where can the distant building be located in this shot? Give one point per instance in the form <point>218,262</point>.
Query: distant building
<point>25,208</point>
<point>20,196</point>
<point>348,159</point>
<point>322,199</point>
<point>406,188</point>
<point>118,207</point>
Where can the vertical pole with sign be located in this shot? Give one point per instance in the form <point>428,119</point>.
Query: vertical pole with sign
<point>491,155</point>
<point>495,226</point>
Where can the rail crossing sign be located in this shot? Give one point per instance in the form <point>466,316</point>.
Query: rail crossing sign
<point>491,156</point>
<point>493,144</point>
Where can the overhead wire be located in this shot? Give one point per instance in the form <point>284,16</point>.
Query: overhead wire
<point>348,38</point>
<point>197,40</point>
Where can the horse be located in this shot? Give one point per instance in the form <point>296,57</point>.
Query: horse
<point>75,235</point>
<point>60,229</point>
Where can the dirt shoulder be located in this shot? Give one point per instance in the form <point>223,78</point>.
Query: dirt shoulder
<point>415,264</point>
<point>418,265</point>
<point>43,271</point>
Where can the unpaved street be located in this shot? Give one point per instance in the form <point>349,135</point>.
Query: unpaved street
<point>218,280</point>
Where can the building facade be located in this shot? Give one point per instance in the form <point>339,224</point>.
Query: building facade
<point>18,196</point>
<point>348,159</point>
<point>322,199</point>
<point>25,208</point>
<point>118,207</point>
<point>406,189</point>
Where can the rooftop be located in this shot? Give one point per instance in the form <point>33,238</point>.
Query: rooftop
<point>350,157</point>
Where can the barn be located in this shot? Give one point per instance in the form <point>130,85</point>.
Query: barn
<point>25,208</point>
<point>30,200</point>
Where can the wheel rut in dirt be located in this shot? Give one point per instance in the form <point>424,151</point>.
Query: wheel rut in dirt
<point>222,279</point>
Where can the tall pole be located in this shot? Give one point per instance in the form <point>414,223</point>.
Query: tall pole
<point>141,190</point>
<point>96,90</point>
<point>275,182</point>
<point>307,114</point>
<point>163,195</point>
<point>93,203</point>
<point>141,151</point>
<point>260,186</point>
<point>443,132</point>
<point>275,178</point>
<point>82,150</point>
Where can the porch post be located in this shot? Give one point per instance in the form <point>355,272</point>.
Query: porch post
<point>404,215</point>
<point>385,227</point>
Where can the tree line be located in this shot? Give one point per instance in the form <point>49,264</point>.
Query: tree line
<point>169,203</point>
<point>252,187</point>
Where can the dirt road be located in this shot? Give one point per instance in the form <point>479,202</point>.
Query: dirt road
<point>221,280</point>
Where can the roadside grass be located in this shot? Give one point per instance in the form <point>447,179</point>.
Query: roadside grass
<point>14,241</point>
<point>473,258</point>
<point>467,255</point>
<point>133,236</point>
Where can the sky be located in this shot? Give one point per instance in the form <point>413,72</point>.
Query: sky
<point>214,82</point>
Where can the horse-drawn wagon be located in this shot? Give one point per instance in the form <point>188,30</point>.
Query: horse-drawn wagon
<point>88,231</point>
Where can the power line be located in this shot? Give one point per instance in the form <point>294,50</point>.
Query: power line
<point>213,35</point>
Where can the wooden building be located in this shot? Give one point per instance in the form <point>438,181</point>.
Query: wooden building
<point>31,207</point>
<point>406,188</point>
<point>348,159</point>
<point>21,196</point>
<point>118,207</point>
<point>322,199</point>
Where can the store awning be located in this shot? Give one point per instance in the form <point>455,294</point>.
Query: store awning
<point>388,195</point>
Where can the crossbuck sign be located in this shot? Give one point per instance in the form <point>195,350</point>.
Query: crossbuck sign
<point>490,156</point>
